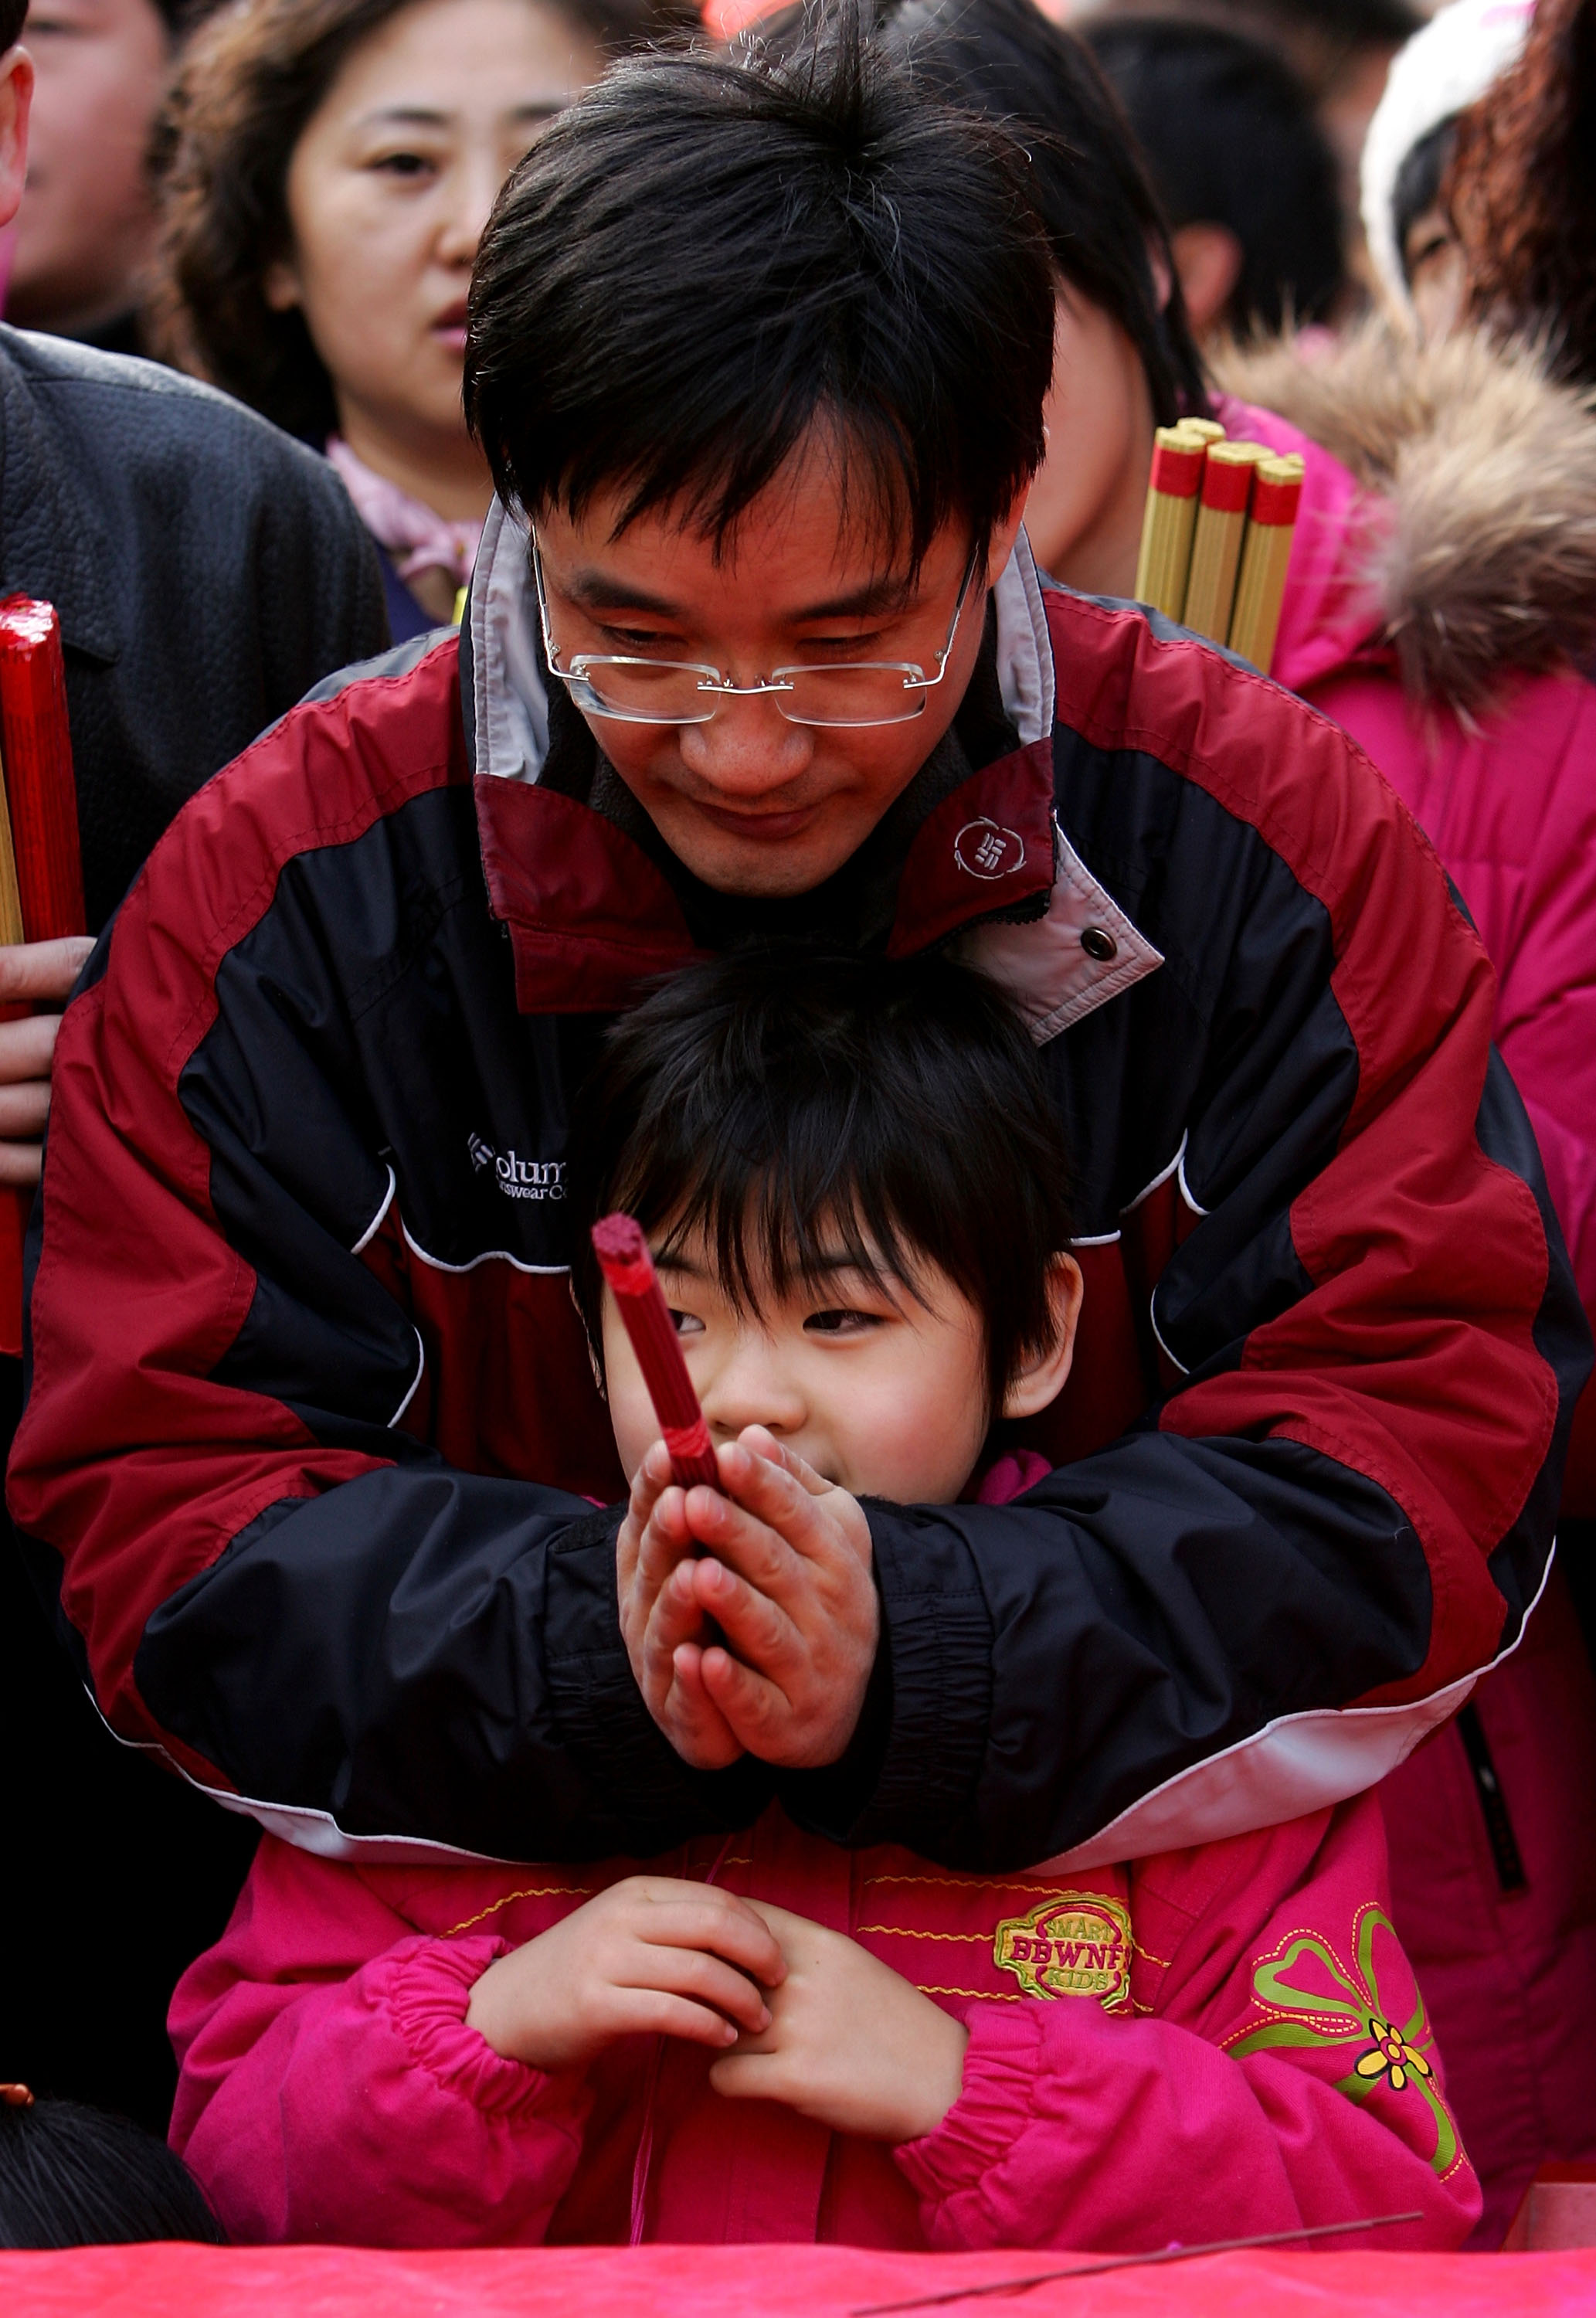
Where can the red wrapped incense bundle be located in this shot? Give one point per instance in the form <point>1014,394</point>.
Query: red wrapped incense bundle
<point>41,863</point>
<point>1167,525</point>
<point>629,1272</point>
<point>36,750</point>
<point>1260,588</point>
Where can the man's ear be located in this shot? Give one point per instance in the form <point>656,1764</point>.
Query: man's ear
<point>1042,1380</point>
<point>16,99</point>
<point>1004,532</point>
<point>280,285</point>
<point>1208,259</point>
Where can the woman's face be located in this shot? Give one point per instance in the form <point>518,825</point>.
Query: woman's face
<point>1084,514</point>
<point>388,190</point>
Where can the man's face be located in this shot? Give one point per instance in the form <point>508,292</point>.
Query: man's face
<point>749,803</point>
<point>86,219</point>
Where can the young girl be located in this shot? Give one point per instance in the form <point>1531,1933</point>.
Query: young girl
<point>849,1173</point>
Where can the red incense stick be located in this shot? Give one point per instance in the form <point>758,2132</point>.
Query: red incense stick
<point>36,750</point>
<point>41,808</point>
<point>627,1266</point>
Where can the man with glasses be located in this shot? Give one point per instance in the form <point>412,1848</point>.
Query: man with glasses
<point>756,646</point>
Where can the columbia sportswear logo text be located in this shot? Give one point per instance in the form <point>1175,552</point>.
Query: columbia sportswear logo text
<point>517,1178</point>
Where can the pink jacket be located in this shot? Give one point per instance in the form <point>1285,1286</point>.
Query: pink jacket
<point>1442,586</point>
<point>1434,598</point>
<point>1200,2046</point>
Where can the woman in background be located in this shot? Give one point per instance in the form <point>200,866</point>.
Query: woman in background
<point>330,168</point>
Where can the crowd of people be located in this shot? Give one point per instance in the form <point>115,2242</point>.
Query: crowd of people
<point>596,550</point>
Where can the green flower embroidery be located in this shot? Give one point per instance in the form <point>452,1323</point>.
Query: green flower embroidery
<point>1352,2008</point>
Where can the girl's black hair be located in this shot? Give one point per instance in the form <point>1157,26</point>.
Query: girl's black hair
<point>1004,59</point>
<point>75,2175</point>
<point>709,260</point>
<point>791,1104</point>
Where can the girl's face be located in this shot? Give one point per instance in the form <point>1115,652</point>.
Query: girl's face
<point>388,190</point>
<point>1084,514</point>
<point>881,1392</point>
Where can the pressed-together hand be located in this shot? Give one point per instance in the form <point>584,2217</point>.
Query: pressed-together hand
<point>781,1565</point>
<point>651,1956</point>
<point>34,973</point>
<point>850,2042</point>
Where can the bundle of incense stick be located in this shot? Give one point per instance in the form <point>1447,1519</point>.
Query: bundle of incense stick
<point>1216,535</point>
<point>41,863</point>
<point>629,1272</point>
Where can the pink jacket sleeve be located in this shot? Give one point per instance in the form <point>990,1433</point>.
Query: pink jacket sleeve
<point>1277,2070</point>
<point>330,2087</point>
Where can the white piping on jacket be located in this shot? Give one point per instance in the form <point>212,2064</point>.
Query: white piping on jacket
<point>1297,1764</point>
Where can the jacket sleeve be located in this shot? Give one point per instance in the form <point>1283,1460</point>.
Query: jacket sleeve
<point>259,1568</point>
<point>1259,2093</point>
<point>330,2088</point>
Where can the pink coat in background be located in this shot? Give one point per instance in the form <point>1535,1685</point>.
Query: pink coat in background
<point>1434,597</point>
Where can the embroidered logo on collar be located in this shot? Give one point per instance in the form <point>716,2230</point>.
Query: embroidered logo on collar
<point>984,849</point>
<point>1077,1944</point>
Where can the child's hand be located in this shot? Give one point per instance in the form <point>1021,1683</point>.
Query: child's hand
<point>850,2043</point>
<point>654,1539</point>
<point>785,1575</point>
<point>651,1956</point>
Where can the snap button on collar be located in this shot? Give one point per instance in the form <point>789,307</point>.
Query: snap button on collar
<point>1099,943</point>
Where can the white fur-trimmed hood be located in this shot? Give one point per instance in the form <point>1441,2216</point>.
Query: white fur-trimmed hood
<point>1485,560</point>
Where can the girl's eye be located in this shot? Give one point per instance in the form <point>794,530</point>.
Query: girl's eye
<point>840,1322</point>
<point>686,1323</point>
<point>403,164</point>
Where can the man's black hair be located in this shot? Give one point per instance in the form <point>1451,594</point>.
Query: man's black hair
<point>1003,59</point>
<point>75,2175</point>
<point>1232,139</point>
<point>1418,183</point>
<point>707,261</point>
<point>13,16</point>
<point>789,1104</point>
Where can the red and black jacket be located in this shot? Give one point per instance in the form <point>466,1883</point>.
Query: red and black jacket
<point>309,1411</point>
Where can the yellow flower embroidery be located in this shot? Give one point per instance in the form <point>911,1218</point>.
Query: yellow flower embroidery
<point>1393,2056</point>
<point>1352,2008</point>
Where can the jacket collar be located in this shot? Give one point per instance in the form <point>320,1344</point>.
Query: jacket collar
<point>53,541</point>
<point>591,917</point>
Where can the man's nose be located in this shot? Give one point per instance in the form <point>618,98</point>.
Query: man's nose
<point>746,748</point>
<point>751,1386</point>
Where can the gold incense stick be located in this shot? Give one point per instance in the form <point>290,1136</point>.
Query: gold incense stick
<point>1216,542</point>
<point>1277,492</point>
<point>11,899</point>
<point>1177,458</point>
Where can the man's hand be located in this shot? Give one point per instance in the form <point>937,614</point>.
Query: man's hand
<point>850,2043</point>
<point>784,1574</point>
<point>31,973</point>
<point>651,1956</point>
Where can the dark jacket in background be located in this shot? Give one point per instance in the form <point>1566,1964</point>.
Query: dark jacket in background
<point>208,572</point>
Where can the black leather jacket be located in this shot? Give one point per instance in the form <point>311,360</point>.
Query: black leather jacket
<point>207,569</point>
